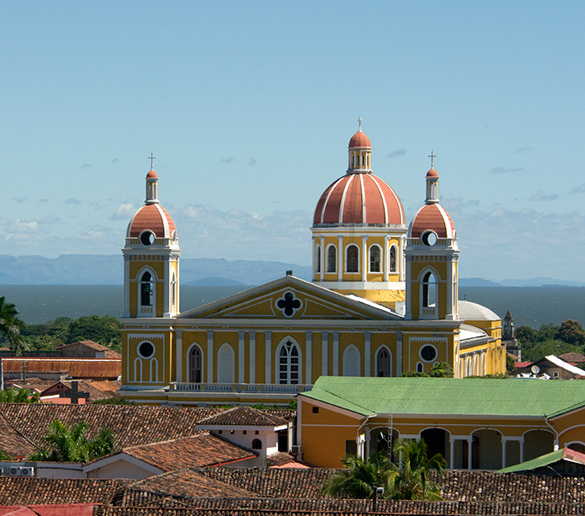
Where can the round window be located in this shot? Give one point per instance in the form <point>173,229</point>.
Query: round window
<point>146,349</point>
<point>428,353</point>
<point>147,238</point>
<point>429,238</point>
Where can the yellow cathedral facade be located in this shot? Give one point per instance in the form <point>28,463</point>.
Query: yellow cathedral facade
<point>383,300</point>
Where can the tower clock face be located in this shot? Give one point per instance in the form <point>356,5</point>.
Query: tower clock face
<point>147,238</point>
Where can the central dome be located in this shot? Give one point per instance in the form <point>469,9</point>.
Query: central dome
<point>359,199</point>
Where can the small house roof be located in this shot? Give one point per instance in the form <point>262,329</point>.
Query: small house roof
<point>243,416</point>
<point>547,460</point>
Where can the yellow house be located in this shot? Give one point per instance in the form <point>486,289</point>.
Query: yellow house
<point>474,423</point>
<point>383,301</point>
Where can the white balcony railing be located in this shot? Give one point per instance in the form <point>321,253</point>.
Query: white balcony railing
<point>240,387</point>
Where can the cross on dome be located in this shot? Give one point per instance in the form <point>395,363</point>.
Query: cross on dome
<point>432,155</point>
<point>360,120</point>
<point>151,158</point>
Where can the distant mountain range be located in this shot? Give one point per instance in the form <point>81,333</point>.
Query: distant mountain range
<point>85,269</point>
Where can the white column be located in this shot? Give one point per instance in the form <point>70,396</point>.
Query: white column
<point>252,371</point>
<point>451,453</point>
<point>167,287</point>
<point>364,258</point>
<point>241,356</point>
<point>386,258</point>
<point>504,445</point>
<point>308,357</point>
<point>335,357</point>
<point>268,357</point>
<point>324,354</point>
<point>340,252</point>
<point>209,376</point>
<point>399,354</point>
<point>469,453</point>
<point>126,286</point>
<point>367,351</point>
<point>322,267</point>
<point>179,354</point>
<point>400,265</point>
<point>522,450</point>
<point>178,289</point>
<point>314,261</point>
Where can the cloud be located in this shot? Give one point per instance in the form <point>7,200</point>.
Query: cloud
<point>5,222</point>
<point>123,212</point>
<point>44,200</point>
<point>72,201</point>
<point>540,196</point>
<point>578,189</point>
<point>226,160</point>
<point>18,200</point>
<point>251,162</point>
<point>520,150</point>
<point>396,153</point>
<point>504,170</point>
<point>115,161</point>
<point>86,165</point>
<point>51,220</point>
<point>24,226</point>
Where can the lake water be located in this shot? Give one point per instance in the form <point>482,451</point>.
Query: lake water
<point>531,306</point>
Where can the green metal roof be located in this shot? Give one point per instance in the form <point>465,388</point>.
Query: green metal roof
<point>539,462</point>
<point>441,396</point>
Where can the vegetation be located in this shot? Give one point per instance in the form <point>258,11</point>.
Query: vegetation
<point>12,395</point>
<point>407,480</point>
<point>105,330</point>
<point>113,401</point>
<point>439,370</point>
<point>64,444</point>
<point>551,340</point>
<point>10,327</point>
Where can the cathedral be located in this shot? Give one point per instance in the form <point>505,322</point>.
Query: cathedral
<point>383,301</point>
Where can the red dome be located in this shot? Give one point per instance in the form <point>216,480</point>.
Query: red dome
<point>432,173</point>
<point>359,139</point>
<point>432,217</point>
<point>151,175</point>
<point>153,217</point>
<point>359,199</point>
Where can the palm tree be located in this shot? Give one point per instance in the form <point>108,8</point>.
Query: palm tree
<point>63,444</point>
<point>406,481</point>
<point>410,478</point>
<point>360,477</point>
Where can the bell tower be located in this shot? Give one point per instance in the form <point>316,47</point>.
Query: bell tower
<point>432,259</point>
<point>151,259</point>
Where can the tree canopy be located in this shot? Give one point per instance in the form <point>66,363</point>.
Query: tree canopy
<point>406,480</point>
<point>551,340</point>
<point>11,326</point>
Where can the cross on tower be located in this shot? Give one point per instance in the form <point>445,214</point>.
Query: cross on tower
<point>360,120</point>
<point>75,394</point>
<point>151,158</point>
<point>432,156</point>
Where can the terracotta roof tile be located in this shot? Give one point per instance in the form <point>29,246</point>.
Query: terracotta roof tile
<point>198,451</point>
<point>96,346</point>
<point>243,416</point>
<point>82,368</point>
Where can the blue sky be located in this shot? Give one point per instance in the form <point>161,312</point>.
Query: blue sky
<point>249,106</point>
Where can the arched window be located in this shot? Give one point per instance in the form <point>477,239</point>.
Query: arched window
<point>195,371</point>
<point>289,363</point>
<point>318,259</point>
<point>226,360</point>
<point>420,368</point>
<point>429,290</point>
<point>146,289</point>
<point>351,361</point>
<point>256,444</point>
<point>331,259</point>
<point>352,261</point>
<point>375,258</point>
<point>383,363</point>
<point>393,266</point>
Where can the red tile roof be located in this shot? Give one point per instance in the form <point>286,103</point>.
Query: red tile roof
<point>96,346</point>
<point>82,368</point>
<point>243,416</point>
<point>202,450</point>
<point>359,139</point>
<point>432,217</point>
<point>152,217</point>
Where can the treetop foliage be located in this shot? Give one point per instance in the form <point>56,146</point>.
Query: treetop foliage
<point>551,340</point>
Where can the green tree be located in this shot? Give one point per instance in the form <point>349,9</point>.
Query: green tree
<point>11,326</point>
<point>12,395</point>
<point>359,478</point>
<point>407,480</point>
<point>510,365</point>
<point>571,332</point>
<point>442,370</point>
<point>64,444</point>
<point>106,330</point>
<point>410,479</point>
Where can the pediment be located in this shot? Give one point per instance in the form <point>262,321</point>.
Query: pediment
<point>290,298</point>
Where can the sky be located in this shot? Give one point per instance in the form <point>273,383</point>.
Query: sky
<point>248,107</point>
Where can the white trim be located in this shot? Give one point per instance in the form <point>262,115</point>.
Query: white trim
<point>335,353</point>
<point>347,260</point>
<point>209,375</point>
<point>327,259</point>
<point>367,354</point>
<point>379,247</point>
<point>347,360</point>
<point>342,203</point>
<point>241,357</point>
<point>308,357</point>
<point>252,370</point>
<point>324,353</point>
<point>281,344</point>
<point>179,344</point>
<point>268,357</point>
<point>220,366</point>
